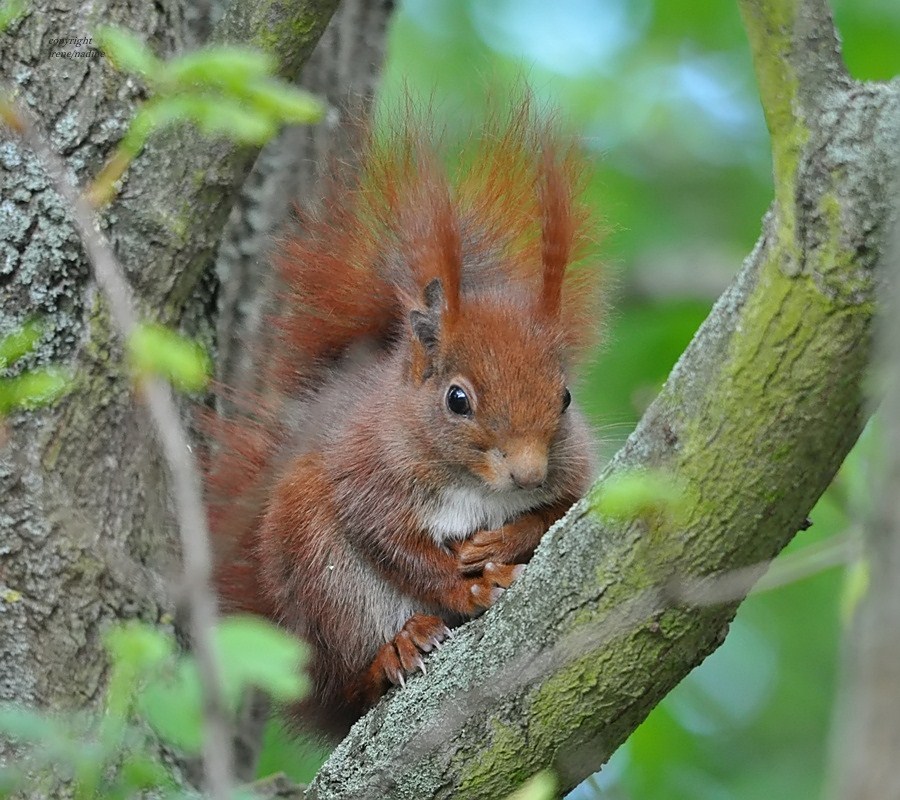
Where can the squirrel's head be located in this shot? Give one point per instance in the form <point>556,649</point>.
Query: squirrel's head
<point>493,312</point>
<point>491,388</point>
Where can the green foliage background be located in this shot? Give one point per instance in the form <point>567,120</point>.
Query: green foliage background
<point>664,97</point>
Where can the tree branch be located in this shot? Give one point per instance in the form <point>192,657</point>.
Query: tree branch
<point>754,421</point>
<point>798,65</point>
<point>796,56</point>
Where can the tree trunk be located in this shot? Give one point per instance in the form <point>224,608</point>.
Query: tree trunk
<point>344,70</point>
<point>87,537</point>
<point>85,529</point>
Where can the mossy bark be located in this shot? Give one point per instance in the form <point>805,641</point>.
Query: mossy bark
<point>755,419</point>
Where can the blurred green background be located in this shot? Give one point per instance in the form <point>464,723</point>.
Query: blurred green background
<point>664,97</point>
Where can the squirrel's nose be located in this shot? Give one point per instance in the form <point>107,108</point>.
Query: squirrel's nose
<point>529,480</point>
<point>527,464</point>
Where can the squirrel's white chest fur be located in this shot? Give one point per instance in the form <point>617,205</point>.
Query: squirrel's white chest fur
<point>460,511</point>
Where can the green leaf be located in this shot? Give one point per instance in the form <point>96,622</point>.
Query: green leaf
<point>213,115</point>
<point>255,653</point>
<point>32,389</point>
<point>229,67</point>
<point>541,787</point>
<point>297,755</point>
<point>173,708</point>
<point>138,646</point>
<point>25,725</point>
<point>127,52</point>
<point>232,118</point>
<point>139,771</point>
<point>639,494</point>
<point>250,652</point>
<point>19,343</point>
<point>224,91</point>
<point>157,350</point>
<point>149,117</point>
<point>284,102</point>
<point>61,739</point>
<point>9,11</point>
<point>136,650</point>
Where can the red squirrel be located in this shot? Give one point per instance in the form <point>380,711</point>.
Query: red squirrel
<point>422,436</point>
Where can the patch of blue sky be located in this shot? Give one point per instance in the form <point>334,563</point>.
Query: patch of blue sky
<point>566,37</point>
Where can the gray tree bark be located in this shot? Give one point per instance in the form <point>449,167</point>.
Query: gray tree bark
<point>86,536</point>
<point>344,70</point>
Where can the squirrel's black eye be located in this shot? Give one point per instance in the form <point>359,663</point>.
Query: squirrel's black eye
<point>567,398</point>
<point>458,401</point>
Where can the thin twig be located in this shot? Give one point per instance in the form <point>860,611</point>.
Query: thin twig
<point>726,587</point>
<point>183,472</point>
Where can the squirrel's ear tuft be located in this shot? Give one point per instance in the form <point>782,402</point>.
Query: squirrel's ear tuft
<point>426,328</point>
<point>426,325</point>
<point>558,227</point>
<point>434,295</point>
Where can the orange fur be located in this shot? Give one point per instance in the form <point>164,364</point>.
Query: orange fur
<point>345,506</point>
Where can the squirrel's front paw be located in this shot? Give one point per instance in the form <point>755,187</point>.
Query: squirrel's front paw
<point>512,543</point>
<point>402,656</point>
<point>488,588</point>
<point>482,548</point>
